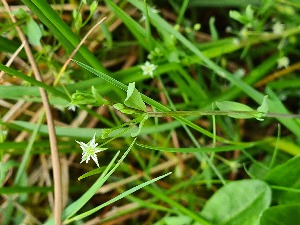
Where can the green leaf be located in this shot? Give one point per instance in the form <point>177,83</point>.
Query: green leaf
<point>134,98</point>
<point>92,172</point>
<point>120,196</point>
<point>177,220</point>
<point>142,121</point>
<point>122,108</point>
<point>236,106</point>
<point>238,203</point>
<point>264,107</point>
<point>100,100</point>
<point>249,12</point>
<point>286,175</point>
<point>262,110</point>
<point>34,32</point>
<point>282,214</point>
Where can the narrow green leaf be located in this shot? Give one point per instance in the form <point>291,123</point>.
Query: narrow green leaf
<point>202,149</point>
<point>120,196</point>
<point>92,172</point>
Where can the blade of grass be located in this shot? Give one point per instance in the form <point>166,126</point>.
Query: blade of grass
<point>159,194</point>
<point>120,196</point>
<point>33,81</point>
<point>62,31</point>
<point>201,149</point>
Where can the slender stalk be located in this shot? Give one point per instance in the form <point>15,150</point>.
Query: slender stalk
<point>220,113</point>
<point>52,137</point>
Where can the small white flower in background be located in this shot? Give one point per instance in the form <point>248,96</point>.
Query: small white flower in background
<point>283,62</point>
<point>72,107</point>
<point>89,150</point>
<point>228,29</point>
<point>148,68</point>
<point>278,28</point>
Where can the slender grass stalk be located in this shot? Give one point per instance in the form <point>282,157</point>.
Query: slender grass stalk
<point>219,113</point>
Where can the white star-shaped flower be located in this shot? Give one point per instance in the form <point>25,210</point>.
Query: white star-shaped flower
<point>283,62</point>
<point>148,68</point>
<point>89,150</point>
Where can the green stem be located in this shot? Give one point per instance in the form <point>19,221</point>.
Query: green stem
<point>219,113</point>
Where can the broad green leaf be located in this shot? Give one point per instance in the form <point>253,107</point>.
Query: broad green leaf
<point>134,98</point>
<point>238,203</point>
<point>34,32</point>
<point>282,214</point>
<point>286,175</point>
<point>236,106</point>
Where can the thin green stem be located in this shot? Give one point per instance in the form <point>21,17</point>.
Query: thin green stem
<point>219,113</point>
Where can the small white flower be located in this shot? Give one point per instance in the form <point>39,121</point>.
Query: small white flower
<point>283,62</point>
<point>278,28</point>
<point>228,29</point>
<point>89,150</point>
<point>72,107</point>
<point>148,68</point>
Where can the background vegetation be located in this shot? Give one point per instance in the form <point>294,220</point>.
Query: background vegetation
<point>183,57</point>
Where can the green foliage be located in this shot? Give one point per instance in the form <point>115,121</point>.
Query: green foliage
<point>286,176</point>
<point>282,214</point>
<point>240,202</point>
<point>165,121</point>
